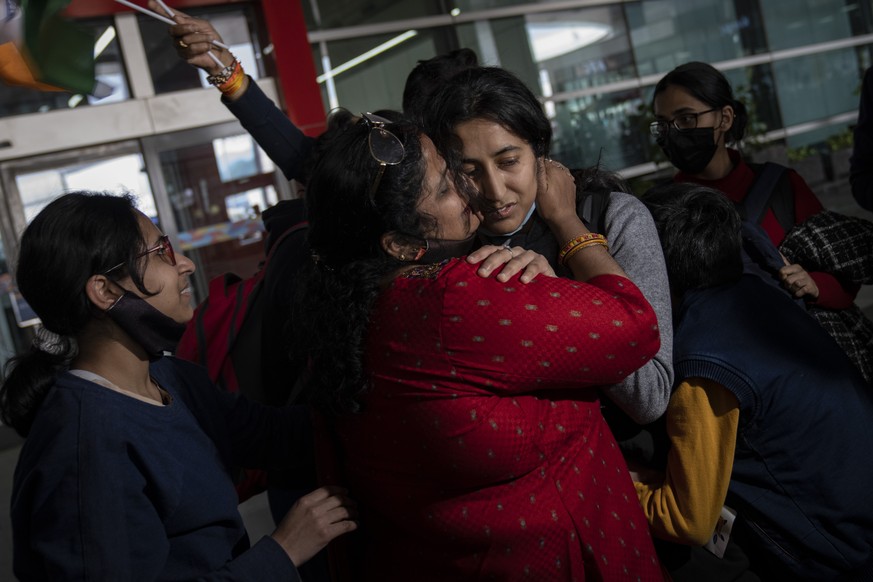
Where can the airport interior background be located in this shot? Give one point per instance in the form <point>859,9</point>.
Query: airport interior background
<point>163,135</point>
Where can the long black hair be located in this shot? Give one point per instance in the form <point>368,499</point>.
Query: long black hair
<point>76,236</point>
<point>336,293</point>
<point>707,84</point>
<point>427,77</point>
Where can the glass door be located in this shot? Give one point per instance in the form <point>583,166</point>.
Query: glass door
<point>215,182</point>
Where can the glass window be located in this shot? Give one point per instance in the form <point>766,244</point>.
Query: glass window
<point>239,157</point>
<point>109,71</point>
<point>611,129</point>
<point>817,86</point>
<point>471,5</point>
<point>756,89</point>
<point>667,33</point>
<point>580,49</point>
<point>322,14</point>
<point>794,23</point>
<point>118,174</point>
<point>239,29</point>
<point>369,73</point>
<point>217,188</point>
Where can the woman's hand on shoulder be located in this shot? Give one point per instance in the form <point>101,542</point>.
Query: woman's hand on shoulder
<point>509,261</point>
<point>315,520</point>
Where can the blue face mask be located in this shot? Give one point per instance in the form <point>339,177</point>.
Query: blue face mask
<point>152,330</point>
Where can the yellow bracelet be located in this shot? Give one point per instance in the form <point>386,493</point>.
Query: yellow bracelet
<point>583,245</point>
<point>572,243</point>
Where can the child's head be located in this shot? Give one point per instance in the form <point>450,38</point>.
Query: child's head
<point>699,230</point>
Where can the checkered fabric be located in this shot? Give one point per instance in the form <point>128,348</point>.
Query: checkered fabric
<point>843,246</point>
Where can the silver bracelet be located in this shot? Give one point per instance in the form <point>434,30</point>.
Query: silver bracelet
<point>221,77</point>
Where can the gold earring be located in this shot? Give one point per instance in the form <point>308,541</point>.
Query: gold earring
<point>402,257</point>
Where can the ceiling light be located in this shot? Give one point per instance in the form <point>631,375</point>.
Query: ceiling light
<point>553,39</point>
<point>367,55</point>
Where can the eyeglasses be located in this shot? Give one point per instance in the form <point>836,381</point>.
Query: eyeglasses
<point>164,248</point>
<point>385,147</point>
<point>682,122</point>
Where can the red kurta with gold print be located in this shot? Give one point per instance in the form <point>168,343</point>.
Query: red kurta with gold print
<point>481,451</point>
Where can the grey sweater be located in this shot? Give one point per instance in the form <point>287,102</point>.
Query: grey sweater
<point>633,243</point>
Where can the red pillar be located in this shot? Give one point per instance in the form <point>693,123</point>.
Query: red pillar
<point>294,65</point>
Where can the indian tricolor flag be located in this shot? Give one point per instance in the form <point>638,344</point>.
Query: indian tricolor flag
<point>42,50</point>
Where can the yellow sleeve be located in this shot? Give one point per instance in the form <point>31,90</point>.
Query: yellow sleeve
<point>702,420</point>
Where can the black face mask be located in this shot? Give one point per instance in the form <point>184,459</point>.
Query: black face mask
<point>690,150</point>
<point>437,249</point>
<point>152,330</point>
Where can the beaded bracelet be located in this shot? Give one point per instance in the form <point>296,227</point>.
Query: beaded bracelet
<point>222,76</point>
<point>583,245</point>
<point>572,243</point>
<point>235,81</point>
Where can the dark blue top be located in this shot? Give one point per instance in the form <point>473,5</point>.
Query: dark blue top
<point>802,478</point>
<point>108,487</point>
<point>280,139</point>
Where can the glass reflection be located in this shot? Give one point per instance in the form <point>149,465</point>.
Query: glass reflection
<point>667,33</point>
<point>120,174</point>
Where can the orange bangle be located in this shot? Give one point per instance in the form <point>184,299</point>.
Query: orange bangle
<point>573,243</point>
<point>583,245</point>
<point>234,81</point>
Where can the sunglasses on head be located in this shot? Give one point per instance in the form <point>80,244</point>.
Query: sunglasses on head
<point>385,147</point>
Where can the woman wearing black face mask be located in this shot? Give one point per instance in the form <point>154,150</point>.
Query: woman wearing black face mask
<point>125,471</point>
<point>696,117</point>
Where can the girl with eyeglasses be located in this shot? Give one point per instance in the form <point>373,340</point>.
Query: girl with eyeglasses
<point>464,408</point>
<point>697,118</point>
<point>125,470</point>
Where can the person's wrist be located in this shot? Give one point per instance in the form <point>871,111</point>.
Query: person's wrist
<point>566,226</point>
<point>238,92</point>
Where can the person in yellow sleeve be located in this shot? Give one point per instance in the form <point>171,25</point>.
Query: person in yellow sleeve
<point>768,421</point>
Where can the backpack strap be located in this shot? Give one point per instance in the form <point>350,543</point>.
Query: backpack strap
<point>770,190</point>
<point>594,210</point>
<point>288,232</point>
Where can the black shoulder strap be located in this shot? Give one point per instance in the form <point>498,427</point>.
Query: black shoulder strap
<point>770,190</point>
<point>594,210</point>
<point>288,232</point>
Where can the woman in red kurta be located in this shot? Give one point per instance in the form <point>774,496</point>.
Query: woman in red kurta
<point>479,448</point>
<point>468,425</point>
